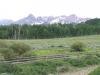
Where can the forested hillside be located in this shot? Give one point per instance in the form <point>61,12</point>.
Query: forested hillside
<point>15,31</point>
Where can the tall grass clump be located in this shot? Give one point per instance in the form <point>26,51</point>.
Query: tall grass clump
<point>91,59</point>
<point>7,53</point>
<point>10,69</point>
<point>20,48</point>
<point>15,50</point>
<point>77,62</point>
<point>3,44</point>
<point>78,47</point>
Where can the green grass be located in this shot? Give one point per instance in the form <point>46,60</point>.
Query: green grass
<point>43,67</point>
<point>48,52</point>
<point>92,41</point>
<point>55,45</point>
<point>91,55</point>
<point>95,72</point>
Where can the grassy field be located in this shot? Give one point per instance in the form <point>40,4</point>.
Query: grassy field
<point>91,55</point>
<point>59,45</point>
<point>92,41</point>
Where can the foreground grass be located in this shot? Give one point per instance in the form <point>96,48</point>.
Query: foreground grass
<point>82,71</point>
<point>95,72</point>
<point>45,67</point>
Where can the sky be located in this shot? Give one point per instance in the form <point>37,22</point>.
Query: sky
<point>16,9</point>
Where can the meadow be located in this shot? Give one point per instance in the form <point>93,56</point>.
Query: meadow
<point>40,47</point>
<point>59,45</point>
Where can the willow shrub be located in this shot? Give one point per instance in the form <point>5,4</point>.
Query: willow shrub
<point>78,47</point>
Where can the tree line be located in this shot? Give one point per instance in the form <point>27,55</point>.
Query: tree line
<point>16,31</point>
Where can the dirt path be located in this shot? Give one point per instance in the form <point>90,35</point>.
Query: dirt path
<point>84,71</point>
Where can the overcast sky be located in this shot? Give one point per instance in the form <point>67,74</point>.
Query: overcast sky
<point>16,9</point>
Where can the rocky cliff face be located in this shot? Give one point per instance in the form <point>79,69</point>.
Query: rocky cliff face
<point>30,19</point>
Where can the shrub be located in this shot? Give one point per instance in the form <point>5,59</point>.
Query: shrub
<point>3,44</point>
<point>77,46</point>
<point>9,68</point>
<point>20,48</point>
<point>15,50</point>
<point>60,46</point>
<point>29,54</point>
<point>52,46</point>
<point>7,53</point>
<point>78,62</point>
<point>98,54</point>
<point>91,59</point>
<point>64,68</point>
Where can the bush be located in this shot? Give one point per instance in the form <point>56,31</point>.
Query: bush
<point>91,59</point>
<point>29,54</point>
<point>65,67</point>
<point>20,48</point>
<point>17,49</point>
<point>3,44</point>
<point>77,62</point>
<point>7,53</point>
<point>77,46</point>
<point>9,68</point>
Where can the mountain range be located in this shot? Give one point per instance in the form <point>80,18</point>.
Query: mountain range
<point>31,19</point>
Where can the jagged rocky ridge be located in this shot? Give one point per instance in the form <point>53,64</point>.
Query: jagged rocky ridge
<point>30,19</point>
